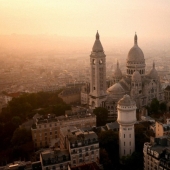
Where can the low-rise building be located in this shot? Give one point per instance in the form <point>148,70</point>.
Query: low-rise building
<point>162,129</point>
<point>46,129</point>
<point>83,145</point>
<point>157,154</point>
<point>55,159</point>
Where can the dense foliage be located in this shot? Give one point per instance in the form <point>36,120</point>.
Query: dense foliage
<point>19,110</point>
<point>101,116</point>
<point>156,107</point>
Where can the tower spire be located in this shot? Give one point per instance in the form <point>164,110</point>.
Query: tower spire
<point>97,35</point>
<point>153,64</point>
<point>117,64</point>
<point>135,39</point>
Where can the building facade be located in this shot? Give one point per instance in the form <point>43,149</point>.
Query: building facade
<point>157,154</point>
<point>46,131</point>
<point>126,119</point>
<point>97,75</point>
<point>141,86</point>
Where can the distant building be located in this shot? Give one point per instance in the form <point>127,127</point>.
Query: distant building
<point>85,94</point>
<point>71,95</point>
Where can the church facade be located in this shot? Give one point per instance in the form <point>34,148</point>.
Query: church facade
<point>141,86</point>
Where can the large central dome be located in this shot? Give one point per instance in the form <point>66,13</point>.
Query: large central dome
<point>135,54</point>
<point>135,60</point>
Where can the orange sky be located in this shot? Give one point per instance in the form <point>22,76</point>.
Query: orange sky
<point>120,18</point>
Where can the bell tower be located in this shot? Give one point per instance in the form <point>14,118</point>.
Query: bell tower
<point>97,74</point>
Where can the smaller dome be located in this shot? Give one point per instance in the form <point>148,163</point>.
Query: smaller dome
<point>126,101</point>
<point>116,89</point>
<point>117,73</point>
<point>136,76</point>
<point>153,73</point>
<point>97,47</point>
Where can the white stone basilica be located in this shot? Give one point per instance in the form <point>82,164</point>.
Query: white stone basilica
<point>141,87</point>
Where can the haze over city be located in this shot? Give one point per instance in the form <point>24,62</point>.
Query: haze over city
<point>84,84</point>
<point>71,25</point>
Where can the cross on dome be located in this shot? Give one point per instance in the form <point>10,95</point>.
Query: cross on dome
<point>97,35</point>
<point>136,39</point>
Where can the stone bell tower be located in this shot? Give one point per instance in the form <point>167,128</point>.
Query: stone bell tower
<point>97,74</point>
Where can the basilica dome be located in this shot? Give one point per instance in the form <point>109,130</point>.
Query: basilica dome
<point>97,47</point>
<point>117,73</point>
<point>135,54</point>
<point>136,76</point>
<point>153,74</point>
<point>116,89</point>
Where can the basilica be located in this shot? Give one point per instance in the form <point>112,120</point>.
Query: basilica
<point>141,86</point>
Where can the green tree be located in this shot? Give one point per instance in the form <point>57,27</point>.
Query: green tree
<point>132,162</point>
<point>16,120</point>
<point>21,136</point>
<point>154,106</point>
<point>101,116</point>
<point>162,106</point>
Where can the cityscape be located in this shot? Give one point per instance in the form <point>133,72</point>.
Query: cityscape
<point>84,85</point>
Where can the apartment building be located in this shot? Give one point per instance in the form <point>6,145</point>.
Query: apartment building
<point>55,159</point>
<point>157,154</point>
<point>46,130</point>
<point>162,129</point>
<point>83,145</point>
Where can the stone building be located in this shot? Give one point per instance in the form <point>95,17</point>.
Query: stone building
<point>71,95</point>
<point>46,130</point>
<point>157,154</point>
<point>126,119</point>
<point>82,145</point>
<point>141,86</point>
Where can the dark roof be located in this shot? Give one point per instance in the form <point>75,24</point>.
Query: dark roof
<point>86,166</point>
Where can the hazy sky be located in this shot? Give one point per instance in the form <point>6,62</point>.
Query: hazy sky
<point>149,18</point>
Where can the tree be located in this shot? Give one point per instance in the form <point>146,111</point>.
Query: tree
<point>101,116</point>
<point>133,162</point>
<point>16,120</point>
<point>154,106</point>
<point>162,106</point>
<point>108,141</point>
<point>21,136</point>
